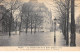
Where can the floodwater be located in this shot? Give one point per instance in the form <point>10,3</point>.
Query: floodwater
<point>37,39</point>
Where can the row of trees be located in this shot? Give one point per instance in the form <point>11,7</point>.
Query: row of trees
<point>12,6</point>
<point>30,15</point>
<point>65,8</point>
<point>33,15</point>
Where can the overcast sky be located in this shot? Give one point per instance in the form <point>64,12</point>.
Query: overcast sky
<point>50,4</point>
<point>51,7</point>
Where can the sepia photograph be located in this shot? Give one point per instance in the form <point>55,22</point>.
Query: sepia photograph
<point>36,23</point>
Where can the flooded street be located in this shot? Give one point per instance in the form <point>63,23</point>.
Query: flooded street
<point>38,39</point>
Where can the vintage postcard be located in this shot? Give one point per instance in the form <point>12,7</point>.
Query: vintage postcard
<point>42,25</point>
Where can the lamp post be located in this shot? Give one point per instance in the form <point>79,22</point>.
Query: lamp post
<point>55,30</point>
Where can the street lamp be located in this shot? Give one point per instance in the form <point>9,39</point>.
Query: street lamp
<point>55,30</point>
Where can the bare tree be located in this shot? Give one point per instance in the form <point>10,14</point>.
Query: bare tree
<point>73,34</point>
<point>67,32</point>
<point>63,7</point>
<point>12,5</point>
<point>26,15</point>
<point>31,16</point>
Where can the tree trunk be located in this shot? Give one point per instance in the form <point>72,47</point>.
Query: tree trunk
<point>65,27</point>
<point>10,22</point>
<point>27,24</point>
<point>20,26</point>
<point>9,27</point>
<point>73,35</point>
<point>26,28</point>
<point>35,28</point>
<point>31,25</point>
<point>67,34</point>
<point>16,27</point>
<point>55,32</point>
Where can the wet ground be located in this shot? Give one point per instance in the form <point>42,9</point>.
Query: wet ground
<point>37,39</point>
